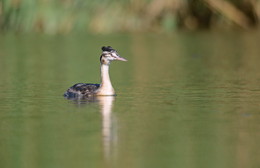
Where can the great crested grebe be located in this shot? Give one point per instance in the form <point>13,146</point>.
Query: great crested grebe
<point>105,88</point>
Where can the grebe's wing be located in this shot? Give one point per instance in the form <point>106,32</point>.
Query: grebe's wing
<point>81,89</point>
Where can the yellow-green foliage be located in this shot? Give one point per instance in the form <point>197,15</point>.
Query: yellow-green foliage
<point>105,16</point>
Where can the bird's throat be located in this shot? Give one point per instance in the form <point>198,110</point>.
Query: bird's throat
<point>106,87</point>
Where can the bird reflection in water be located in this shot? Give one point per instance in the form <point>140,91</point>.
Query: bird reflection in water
<point>108,124</point>
<point>109,132</point>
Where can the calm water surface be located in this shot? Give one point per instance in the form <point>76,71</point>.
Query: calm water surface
<point>186,100</point>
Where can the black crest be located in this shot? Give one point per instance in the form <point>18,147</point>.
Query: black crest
<point>108,48</point>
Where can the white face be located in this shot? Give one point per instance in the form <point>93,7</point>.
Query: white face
<point>111,56</point>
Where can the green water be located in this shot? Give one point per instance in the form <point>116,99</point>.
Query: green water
<point>183,100</point>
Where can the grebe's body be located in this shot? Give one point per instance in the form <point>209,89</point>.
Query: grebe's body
<point>81,90</point>
<point>105,88</point>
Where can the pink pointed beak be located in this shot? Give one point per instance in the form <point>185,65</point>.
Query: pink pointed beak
<point>121,59</point>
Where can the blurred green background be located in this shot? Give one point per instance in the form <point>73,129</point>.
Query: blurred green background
<point>106,16</point>
<point>187,97</point>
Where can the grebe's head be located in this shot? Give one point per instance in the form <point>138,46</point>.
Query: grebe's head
<point>109,54</point>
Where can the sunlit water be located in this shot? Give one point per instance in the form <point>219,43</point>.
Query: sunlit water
<point>186,100</point>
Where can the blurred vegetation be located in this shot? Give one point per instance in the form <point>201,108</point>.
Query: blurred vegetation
<point>105,16</point>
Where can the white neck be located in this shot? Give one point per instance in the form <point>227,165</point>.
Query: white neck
<point>106,87</point>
